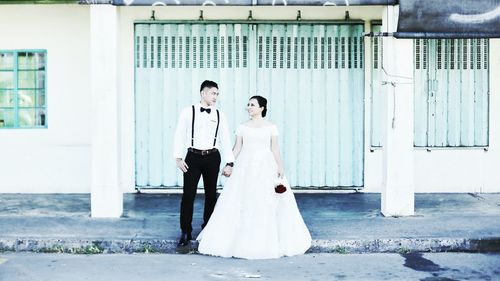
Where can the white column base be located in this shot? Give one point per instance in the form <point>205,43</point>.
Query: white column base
<point>106,202</point>
<point>398,201</point>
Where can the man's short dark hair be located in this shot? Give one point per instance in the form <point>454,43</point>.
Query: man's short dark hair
<point>208,84</point>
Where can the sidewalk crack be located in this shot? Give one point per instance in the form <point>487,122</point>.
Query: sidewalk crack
<point>477,196</point>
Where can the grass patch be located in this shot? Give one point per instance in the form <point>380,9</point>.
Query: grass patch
<point>51,250</point>
<point>147,249</point>
<point>93,249</point>
<point>404,250</point>
<point>341,250</point>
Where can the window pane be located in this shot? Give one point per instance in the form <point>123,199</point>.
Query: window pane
<point>26,60</point>
<point>26,79</point>
<point>6,61</point>
<point>40,79</point>
<point>6,80</point>
<point>40,61</point>
<point>27,117</point>
<point>6,117</point>
<point>40,98</point>
<point>6,98</point>
<point>40,116</point>
<point>26,98</point>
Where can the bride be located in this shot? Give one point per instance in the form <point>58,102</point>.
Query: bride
<point>250,220</point>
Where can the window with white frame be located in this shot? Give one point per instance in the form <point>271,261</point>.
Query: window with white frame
<point>23,89</point>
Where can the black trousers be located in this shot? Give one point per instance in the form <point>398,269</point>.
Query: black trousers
<point>208,167</point>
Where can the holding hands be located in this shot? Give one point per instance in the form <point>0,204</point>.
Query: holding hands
<point>227,171</point>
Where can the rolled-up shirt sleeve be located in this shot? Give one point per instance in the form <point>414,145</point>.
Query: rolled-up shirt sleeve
<point>225,140</point>
<point>179,149</point>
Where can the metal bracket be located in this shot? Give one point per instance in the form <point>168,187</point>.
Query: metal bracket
<point>250,17</point>
<point>201,15</point>
<point>152,15</point>
<point>299,16</point>
<point>347,15</point>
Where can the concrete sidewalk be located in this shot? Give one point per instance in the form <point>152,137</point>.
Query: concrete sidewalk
<point>338,222</point>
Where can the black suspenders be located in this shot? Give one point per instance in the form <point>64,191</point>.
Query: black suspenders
<point>192,127</point>
<point>217,129</point>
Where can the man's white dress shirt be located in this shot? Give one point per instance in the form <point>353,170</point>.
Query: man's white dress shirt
<point>205,125</point>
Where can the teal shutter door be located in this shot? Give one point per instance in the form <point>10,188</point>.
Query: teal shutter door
<point>451,92</point>
<point>171,62</point>
<point>311,74</point>
<point>313,77</point>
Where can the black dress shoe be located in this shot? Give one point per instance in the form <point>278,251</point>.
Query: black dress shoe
<point>184,240</point>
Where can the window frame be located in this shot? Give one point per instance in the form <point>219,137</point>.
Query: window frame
<point>16,89</point>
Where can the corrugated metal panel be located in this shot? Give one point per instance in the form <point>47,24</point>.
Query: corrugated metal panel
<point>312,75</point>
<point>171,62</point>
<point>376,89</point>
<point>451,92</point>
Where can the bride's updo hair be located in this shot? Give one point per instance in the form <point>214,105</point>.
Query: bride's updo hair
<point>262,101</point>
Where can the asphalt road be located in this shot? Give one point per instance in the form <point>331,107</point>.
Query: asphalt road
<point>151,267</point>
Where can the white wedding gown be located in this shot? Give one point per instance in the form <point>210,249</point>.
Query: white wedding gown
<point>250,220</point>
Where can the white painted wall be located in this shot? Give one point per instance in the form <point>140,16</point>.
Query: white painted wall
<point>56,159</point>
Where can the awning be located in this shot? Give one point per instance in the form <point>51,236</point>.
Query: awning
<point>417,18</point>
<point>448,19</point>
<point>240,2</point>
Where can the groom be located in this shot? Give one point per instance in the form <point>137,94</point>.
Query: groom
<point>203,131</point>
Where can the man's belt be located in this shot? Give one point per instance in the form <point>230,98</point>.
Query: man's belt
<point>202,152</point>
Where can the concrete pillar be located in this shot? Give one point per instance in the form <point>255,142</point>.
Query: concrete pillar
<point>106,194</point>
<point>398,185</point>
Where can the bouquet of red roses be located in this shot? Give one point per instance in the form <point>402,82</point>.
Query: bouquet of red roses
<point>280,185</point>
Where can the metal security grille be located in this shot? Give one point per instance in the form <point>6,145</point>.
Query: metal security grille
<point>312,75</point>
<point>171,62</point>
<point>376,89</point>
<point>451,92</point>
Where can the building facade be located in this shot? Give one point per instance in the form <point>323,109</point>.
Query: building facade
<point>89,95</point>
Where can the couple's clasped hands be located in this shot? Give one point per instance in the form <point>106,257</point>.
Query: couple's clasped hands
<point>227,171</point>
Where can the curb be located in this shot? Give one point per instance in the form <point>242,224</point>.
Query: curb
<point>406,245</point>
<point>397,245</point>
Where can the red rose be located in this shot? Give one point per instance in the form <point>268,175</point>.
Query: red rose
<point>280,188</point>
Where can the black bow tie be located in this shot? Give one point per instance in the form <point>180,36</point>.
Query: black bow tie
<point>205,109</point>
